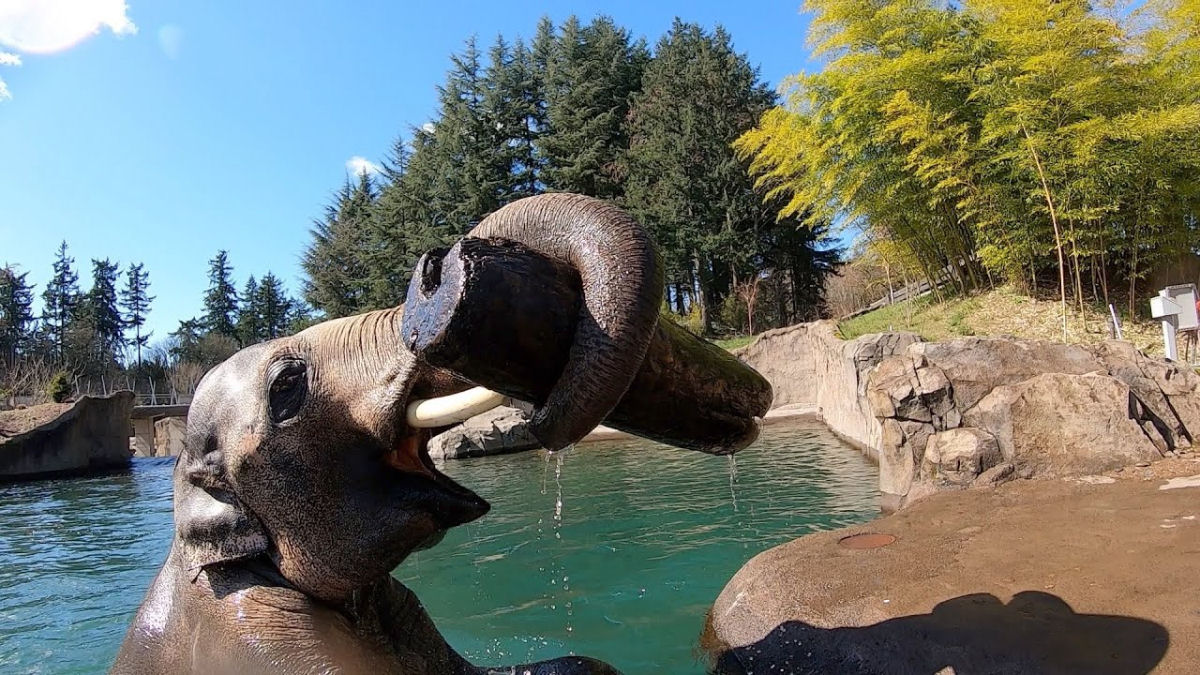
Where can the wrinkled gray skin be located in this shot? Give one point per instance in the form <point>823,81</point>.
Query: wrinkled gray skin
<point>291,509</point>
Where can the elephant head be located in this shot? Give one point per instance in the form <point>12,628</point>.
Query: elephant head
<point>310,449</point>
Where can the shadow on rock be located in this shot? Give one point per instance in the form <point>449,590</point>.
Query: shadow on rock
<point>1035,633</point>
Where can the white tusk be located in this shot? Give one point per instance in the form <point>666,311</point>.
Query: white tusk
<point>452,409</point>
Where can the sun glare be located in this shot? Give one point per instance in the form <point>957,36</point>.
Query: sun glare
<point>48,26</point>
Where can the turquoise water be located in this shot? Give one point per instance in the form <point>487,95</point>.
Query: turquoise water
<point>614,550</point>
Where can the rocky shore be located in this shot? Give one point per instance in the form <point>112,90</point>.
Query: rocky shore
<point>1046,503</point>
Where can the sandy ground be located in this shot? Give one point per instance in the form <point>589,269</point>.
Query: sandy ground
<point>1099,574</point>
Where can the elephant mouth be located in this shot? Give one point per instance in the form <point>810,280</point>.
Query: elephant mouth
<point>410,455</point>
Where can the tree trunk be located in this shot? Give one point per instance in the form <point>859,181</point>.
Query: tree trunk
<point>1058,246</point>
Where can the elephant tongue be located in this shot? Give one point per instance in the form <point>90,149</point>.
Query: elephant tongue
<point>407,455</point>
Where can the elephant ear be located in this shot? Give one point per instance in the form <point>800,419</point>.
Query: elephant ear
<point>210,521</point>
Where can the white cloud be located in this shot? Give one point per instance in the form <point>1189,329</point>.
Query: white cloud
<point>361,166</point>
<point>7,59</point>
<point>428,127</point>
<point>170,40</point>
<point>45,26</point>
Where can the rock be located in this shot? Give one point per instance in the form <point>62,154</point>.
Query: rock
<point>495,432</point>
<point>996,475</point>
<point>957,457</point>
<point>930,388</point>
<point>1060,425</point>
<point>90,434</point>
<point>809,364</point>
<point>966,583</point>
<point>169,436</point>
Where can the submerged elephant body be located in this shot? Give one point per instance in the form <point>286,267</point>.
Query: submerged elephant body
<point>305,478</point>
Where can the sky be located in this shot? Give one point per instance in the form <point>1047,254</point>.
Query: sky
<point>160,131</point>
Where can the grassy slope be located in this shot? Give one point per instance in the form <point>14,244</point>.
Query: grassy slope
<point>999,312</point>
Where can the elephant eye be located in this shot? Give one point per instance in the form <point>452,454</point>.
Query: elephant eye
<point>289,386</point>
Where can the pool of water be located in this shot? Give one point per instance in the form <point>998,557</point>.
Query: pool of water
<point>614,550</point>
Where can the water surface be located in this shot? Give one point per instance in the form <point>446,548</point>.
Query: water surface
<point>614,550</point>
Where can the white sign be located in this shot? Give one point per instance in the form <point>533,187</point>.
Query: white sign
<point>1176,306</point>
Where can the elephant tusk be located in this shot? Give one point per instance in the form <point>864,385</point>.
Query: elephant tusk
<point>452,409</point>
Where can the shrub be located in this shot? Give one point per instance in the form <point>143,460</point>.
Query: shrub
<point>59,387</point>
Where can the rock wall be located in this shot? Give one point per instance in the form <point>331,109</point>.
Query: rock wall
<point>169,436</point>
<point>980,410</point>
<point>807,364</point>
<point>91,434</point>
<point>977,411</point>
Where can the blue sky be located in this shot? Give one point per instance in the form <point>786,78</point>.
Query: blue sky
<point>161,131</point>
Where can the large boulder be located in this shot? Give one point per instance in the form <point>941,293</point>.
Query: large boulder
<point>90,434</point>
<point>498,431</point>
<point>1052,409</point>
<point>1059,425</point>
<point>1041,576</point>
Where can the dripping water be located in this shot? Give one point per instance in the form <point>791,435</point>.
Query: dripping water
<point>733,482</point>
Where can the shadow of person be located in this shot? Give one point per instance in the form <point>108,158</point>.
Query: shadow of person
<point>1034,633</point>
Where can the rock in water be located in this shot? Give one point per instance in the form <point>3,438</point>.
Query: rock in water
<point>90,434</point>
<point>495,432</point>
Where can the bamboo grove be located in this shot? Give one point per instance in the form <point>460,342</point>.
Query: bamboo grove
<point>1046,143</point>
<point>585,107</point>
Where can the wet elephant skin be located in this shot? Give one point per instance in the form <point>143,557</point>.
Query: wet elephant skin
<point>301,485</point>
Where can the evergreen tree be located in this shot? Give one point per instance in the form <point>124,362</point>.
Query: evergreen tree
<point>337,262</point>
<point>103,308</point>
<point>511,104</point>
<point>273,306</point>
<point>185,341</point>
<point>685,181</point>
<point>591,74</point>
<point>249,321</point>
<point>135,300</point>
<point>16,314</point>
<point>59,302</point>
<point>220,300</point>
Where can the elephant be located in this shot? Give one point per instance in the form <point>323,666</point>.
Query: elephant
<point>305,478</point>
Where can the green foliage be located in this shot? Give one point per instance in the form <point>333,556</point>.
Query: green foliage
<point>266,311</point>
<point>582,108</point>
<point>1036,137</point>
<point>730,344</point>
<point>16,313</point>
<point>98,333</point>
<point>59,302</point>
<point>59,388</point>
<point>136,300</point>
<point>591,74</point>
<point>220,300</point>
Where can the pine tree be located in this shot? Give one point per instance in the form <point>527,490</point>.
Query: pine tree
<point>249,321</point>
<point>685,181</point>
<point>103,314</point>
<point>16,313</point>
<point>511,104</point>
<point>337,262</point>
<point>59,302</point>
<point>220,300</point>
<point>591,74</point>
<point>136,300</point>
<point>273,306</point>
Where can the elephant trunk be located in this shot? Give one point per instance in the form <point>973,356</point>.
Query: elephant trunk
<point>621,280</point>
<point>505,317</point>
